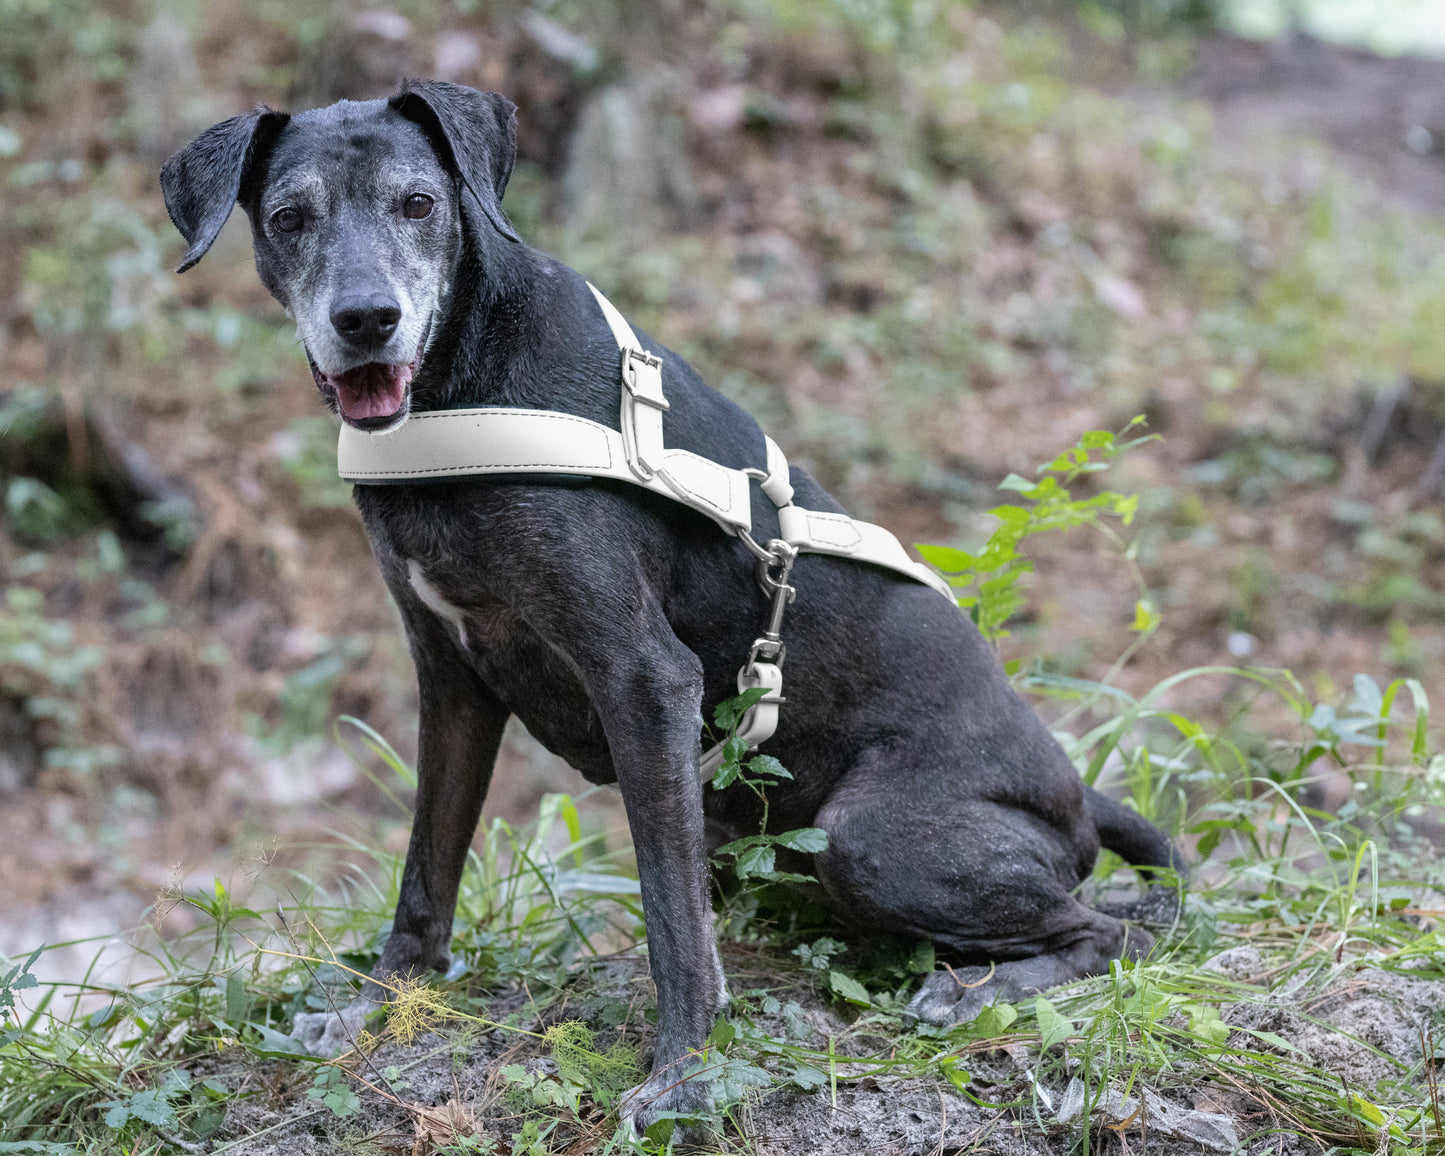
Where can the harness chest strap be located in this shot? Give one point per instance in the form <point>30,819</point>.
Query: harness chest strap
<point>466,442</point>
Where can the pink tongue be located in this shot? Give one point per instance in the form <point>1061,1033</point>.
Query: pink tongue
<point>373,390</point>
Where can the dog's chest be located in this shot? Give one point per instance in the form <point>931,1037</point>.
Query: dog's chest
<point>476,628</point>
<point>536,683</point>
<point>432,599</point>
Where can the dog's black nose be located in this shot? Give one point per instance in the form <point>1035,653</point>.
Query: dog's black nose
<point>365,320</point>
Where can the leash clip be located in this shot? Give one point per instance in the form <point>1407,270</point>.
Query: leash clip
<point>764,666</point>
<point>773,578</point>
<point>773,572</point>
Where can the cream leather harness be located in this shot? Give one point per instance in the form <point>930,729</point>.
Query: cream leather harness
<point>466,442</point>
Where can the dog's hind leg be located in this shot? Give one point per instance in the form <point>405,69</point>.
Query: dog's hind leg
<point>461,729</point>
<point>990,882</point>
<point>957,995</point>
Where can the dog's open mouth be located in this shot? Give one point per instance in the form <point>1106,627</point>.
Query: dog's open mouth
<point>371,396</point>
<point>372,391</point>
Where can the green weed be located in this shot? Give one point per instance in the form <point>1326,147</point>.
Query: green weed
<point>1309,889</point>
<point>988,580</point>
<point>754,857</point>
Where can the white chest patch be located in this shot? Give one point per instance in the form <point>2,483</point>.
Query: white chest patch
<point>433,601</point>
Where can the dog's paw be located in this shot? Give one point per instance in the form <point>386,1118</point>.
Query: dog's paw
<point>1138,943</point>
<point>1158,907</point>
<point>326,1033</point>
<point>688,1099</point>
<point>954,997</point>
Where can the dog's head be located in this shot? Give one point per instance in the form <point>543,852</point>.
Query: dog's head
<point>358,215</point>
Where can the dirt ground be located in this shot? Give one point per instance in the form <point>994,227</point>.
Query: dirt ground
<point>1386,115</point>
<point>1360,1025</point>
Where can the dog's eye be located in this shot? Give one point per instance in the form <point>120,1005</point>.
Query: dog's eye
<point>287,220</point>
<point>417,207</point>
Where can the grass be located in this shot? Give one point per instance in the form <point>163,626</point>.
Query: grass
<point>88,1067</point>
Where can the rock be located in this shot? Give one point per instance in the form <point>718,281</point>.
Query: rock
<point>1242,963</point>
<point>630,149</point>
<point>558,43</point>
<point>1208,1129</point>
<point>384,24</point>
<point>719,110</point>
<point>458,55</point>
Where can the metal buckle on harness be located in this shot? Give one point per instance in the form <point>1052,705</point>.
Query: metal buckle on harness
<point>643,404</point>
<point>644,386</point>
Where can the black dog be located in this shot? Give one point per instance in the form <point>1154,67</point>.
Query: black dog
<point>605,617</point>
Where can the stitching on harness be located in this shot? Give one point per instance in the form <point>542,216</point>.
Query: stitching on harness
<point>824,521</point>
<point>719,471</point>
<point>503,412</point>
<point>488,467</point>
<point>483,467</point>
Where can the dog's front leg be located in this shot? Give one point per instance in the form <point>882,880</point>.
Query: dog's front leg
<point>649,699</point>
<point>460,731</point>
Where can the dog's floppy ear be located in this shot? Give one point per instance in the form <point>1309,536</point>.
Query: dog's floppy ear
<point>203,181</point>
<point>475,134</point>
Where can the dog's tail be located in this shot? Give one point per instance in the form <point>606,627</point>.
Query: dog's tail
<point>1128,834</point>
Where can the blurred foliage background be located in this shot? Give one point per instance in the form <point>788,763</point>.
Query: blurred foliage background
<point>925,242</point>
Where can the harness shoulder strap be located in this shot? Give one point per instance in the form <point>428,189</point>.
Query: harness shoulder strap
<point>642,400</point>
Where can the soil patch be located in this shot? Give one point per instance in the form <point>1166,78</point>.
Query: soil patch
<point>1362,1026</point>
